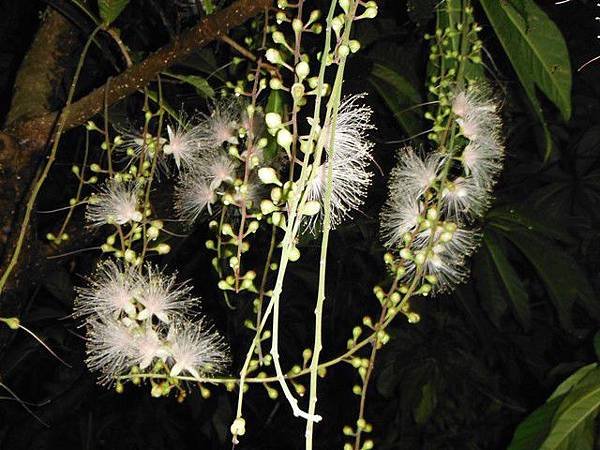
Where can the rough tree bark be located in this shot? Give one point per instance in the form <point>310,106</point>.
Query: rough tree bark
<point>30,125</point>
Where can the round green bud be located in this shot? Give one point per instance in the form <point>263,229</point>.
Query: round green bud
<point>297,25</point>
<point>273,120</point>
<point>302,70</point>
<point>278,37</point>
<point>273,56</point>
<point>163,249</point>
<point>284,138</point>
<point>343,50</point>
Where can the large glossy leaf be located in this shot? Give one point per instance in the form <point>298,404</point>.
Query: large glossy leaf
<point>111,9</point>
<point>564,280</point>
<point>531,433</point>
<point>576,411</point>
<point>491,295</point>
<point>509,278</point>
<point>564,387</point>
<point>399,95</point>
<point>536,223</point>
<point>538,430</point>
<point>537,51</point>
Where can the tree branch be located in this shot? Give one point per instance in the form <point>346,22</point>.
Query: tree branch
<point>37,131</point>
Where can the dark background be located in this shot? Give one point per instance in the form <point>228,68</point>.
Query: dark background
<point>486,370</point>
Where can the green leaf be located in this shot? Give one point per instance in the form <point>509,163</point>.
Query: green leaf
<point>510,280</point>
<point>537,51</point>
<point>111,9</point>
<point>564,387</point>
<point>530,433</point>
<point>491,295</point>
<point>513,216</point>
<point>572,417</point>
<point>426,405</point>
<point>564,280</point>
<point>399,95</point>
<point>200,83</point>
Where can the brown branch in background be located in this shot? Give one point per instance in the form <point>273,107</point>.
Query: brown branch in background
<point>31,126</point>
<point>213,27</point>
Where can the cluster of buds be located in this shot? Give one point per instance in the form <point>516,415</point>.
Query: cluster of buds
<point>455,47</point>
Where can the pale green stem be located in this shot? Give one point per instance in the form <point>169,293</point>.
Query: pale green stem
<point>287,245</point>
<point>333,107</point>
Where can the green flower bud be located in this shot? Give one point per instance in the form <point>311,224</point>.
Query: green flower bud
<point>273,56</point>
<point>12,322</point>
<point>354,45</point>
<point>294,254</point>
<point>302,70</point>
<point>278,37</point>
<point>311,208</point>
<point>163,249</point>
<point>268,175</point>
<point>343,50</point>
<point>273,120</point>
<point>297,25</point>
<point>284,139</point>
<point>267,207</point>
<point>275,84</point>
<point>297,91</point>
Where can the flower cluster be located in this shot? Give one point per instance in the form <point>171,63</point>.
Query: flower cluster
<point>434,200</point>
<point>139,320</point>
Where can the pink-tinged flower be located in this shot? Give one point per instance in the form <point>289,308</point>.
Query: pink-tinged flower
<point>182,145</point>
<point>149,346</point>
<point>415,174</point>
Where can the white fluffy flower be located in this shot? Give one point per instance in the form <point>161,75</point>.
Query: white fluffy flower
<point>196,349</point>
<point>220,126</point>
<point>401,214</point>
<point>192,195</point>
<point>414,173</point>
<point>161,297</point>
<point>483,160</point>
<point>148,346</point>
<point>115,203</point>
<point>110,291</point>
<point>464,198</point>
<point>133,144</point>
<point>110,347</point>
<point>446,257</point>
<point>183,145</point>
<point>216,167</point>
<point>476,112</point>
<point>349,163</point>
